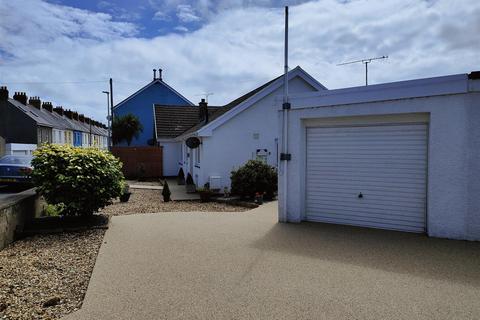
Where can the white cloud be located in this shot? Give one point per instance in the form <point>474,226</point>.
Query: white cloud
<point>181,29</point>
<point>234,52</point>
<point>161,16</point>
<point>186,14</point>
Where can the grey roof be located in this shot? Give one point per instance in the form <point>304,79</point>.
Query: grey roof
<point>172,121</point>
<point>33,113</point>
<point>57,120</point>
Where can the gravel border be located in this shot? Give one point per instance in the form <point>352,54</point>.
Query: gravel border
<point>46,276</point>
<point>151,201</point>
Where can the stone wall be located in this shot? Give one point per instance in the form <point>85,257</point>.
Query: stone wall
<point>14,211</point>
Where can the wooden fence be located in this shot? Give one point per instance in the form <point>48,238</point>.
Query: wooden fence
<point>140,162</point>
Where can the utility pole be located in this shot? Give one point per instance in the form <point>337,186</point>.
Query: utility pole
<point>110,143</point>
<point>108,117</point>
<point>365,62</point>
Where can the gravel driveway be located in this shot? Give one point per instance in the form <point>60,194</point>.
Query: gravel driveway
<point>247,266</point>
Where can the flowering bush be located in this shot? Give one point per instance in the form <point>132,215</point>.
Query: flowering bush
<point>81,180</point>
<point>254,177</point>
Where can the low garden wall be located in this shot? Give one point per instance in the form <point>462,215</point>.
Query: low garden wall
<point>14,212</point>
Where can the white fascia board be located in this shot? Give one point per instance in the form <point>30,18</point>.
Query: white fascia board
<point>186,136</point>
<point>148,86</point>
<point>446,85</point>
<point>207,130</point>
<point>167,140</point>
<point>154,121</point>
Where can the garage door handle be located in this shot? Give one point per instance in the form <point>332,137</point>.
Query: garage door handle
<point>360,195</point>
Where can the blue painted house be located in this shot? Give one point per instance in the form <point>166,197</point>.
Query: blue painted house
<point>141,105</point>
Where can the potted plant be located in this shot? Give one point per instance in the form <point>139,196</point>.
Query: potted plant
<point>189,184</point>
<point>259,198</point>
<point>181,177</point>
<point>226,193</point>
<point>125,196</point>
<point>166,192</point>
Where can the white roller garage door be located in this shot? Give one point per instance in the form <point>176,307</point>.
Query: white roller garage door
<point>372,176</point>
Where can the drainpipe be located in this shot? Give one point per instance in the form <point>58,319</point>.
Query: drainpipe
<point>285,156</point>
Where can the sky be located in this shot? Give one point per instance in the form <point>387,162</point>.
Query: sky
<point>65,51</point>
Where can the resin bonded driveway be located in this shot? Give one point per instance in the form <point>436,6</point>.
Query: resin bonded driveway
<point>247,266</point>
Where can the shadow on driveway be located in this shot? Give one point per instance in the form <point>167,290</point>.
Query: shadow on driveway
<point>392,251</point>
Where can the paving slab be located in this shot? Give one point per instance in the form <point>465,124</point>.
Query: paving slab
<point>179,192</point>
<point>248,266</point>
<point>147,187</point>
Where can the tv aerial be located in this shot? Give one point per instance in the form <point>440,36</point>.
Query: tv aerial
<point>205,94</point>
<point>365,62</point>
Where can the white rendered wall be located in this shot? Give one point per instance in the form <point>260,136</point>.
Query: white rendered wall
<point>235,142</point>
<point>20,149</point>
<point>453,193</point>
<point>171,157</point>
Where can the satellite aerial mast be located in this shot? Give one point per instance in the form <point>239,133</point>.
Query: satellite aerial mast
<point>365,62</point>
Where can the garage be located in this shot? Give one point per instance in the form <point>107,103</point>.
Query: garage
<point>400,156</point>
<point>371,176</point>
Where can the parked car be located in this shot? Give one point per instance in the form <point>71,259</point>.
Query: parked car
<point>15,170</point>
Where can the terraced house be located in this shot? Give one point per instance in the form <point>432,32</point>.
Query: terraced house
<point>27,123</point>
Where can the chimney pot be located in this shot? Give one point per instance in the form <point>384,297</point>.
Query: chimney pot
<point>36,102</point>
<point>160,74</point>
<point>21,97</point>
<point>47,106</point>
<point>154,74</point>
<point>59,110</point>
<point>3,93</point>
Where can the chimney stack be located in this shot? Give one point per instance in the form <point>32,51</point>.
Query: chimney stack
<point>47,106</point>
<point>81,118</point>
<point>87,120</point>
<point>160,74</point>
<point>21,97</point>
<point>68,114</point>
<point>3,93</point>
<point>36,102</point>
<point>203,111</point>
<point>59,110</point>
<point>75,115</point>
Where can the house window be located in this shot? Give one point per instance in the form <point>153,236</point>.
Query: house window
<point>197,155</point>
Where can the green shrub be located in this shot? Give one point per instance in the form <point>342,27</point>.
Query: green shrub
<point>81,180</point>
<point>254,176</point>
<point>166,192</point>
<point>189,180</point>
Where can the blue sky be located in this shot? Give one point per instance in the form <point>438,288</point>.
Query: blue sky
<point>64,51</point>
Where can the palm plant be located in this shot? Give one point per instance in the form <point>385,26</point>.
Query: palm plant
<point>125,128</point>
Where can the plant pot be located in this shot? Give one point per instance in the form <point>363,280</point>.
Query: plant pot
<point>125,197</point>
<point>191,188</point>
<point>259,199</point>
<point>205,196</point>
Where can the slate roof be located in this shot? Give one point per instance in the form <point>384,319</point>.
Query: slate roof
<point>32,112</point>
<point>173,121</point>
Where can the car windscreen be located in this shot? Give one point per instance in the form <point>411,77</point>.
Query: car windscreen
<point>16,160</point>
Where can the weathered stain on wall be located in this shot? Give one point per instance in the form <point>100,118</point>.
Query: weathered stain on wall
<point>14,212</point>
